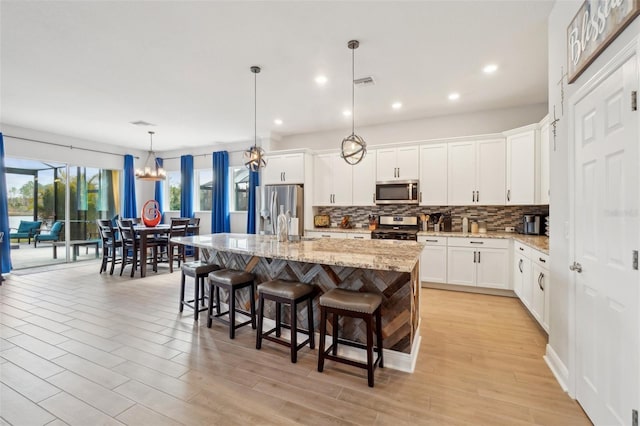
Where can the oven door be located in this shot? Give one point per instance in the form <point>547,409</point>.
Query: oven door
<point>397,192</point>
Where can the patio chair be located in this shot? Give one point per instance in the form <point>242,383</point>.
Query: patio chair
<point>27,229</point>
<point>53,235</point>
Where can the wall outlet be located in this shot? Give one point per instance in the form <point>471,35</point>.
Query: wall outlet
<point>334,224</point>
<point>509,229</point>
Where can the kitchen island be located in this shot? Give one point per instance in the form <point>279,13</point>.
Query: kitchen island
<point>387,267</point>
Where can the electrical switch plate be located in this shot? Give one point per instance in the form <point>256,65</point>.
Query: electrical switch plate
<point>509,229</point>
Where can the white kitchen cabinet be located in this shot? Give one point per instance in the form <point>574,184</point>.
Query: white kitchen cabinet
<point>364,181</point>
<point>433,175</point>
<point>283,169</point>
<point>531,281</point>
<point>478,262</point>
<point>332,180</point>
<point>522,277</point>
<point>538,276</point>
<point>358,235</point>
<point>397,164</point>
<point>476,172</point>
<point>433,260</point>
<point>544,161</point>
<point>521,168</point>
<point>327,234</point>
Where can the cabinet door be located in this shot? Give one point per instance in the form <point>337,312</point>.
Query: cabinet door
<point>493,268</point>
<point>322,179</point>
<point>386,165</point>
<point>272,173</point>
<point>407,163</point>
<point>490,177</point>
<point>544,164</point>
<point>461,172</point>
<point>341,177</point>
<point>433,175</point>
<point>520,272</point>
<point>433,264</point>
<point>527,283</point>
<point>537,302</point>
<point>521,160</point>
<point>293,168</point>
<point>364,181</point>
<point>461,268</point>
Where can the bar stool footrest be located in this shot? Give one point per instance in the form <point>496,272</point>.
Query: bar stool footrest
<point>218,317</point>
<point>267,335</point>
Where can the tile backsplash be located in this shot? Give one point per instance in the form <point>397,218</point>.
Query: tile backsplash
<point>495,217</point>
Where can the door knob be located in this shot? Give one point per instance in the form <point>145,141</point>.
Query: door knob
<point>575,267</point>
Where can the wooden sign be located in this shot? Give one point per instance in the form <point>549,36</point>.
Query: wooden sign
<point>595,26</point>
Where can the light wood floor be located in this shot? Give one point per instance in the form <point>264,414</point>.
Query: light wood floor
<point>87,349</point>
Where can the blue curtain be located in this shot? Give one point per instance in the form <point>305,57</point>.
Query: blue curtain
<point>220,202</point>
<point>186,186</point>
<point>4,215</point>
<point>159,189</point>
<point>129,208</point>
<point>254,180</point>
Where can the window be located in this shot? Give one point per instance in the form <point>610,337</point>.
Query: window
<point>239,189</point>
<point>204,183</point>
<point>173,186</point>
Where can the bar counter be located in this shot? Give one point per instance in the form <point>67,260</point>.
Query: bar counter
<point>387,267</point>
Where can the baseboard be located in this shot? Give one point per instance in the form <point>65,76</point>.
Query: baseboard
<point>557,367</point>
<point>392,359</point>
<point>469,289</point>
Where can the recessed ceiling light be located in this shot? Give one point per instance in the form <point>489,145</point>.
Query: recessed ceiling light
<point>277,122</point>
<point>396,105</point>
<point>454,96</point>
<point>321,80</point>
<point>490,68</point>
<point>346,113</point>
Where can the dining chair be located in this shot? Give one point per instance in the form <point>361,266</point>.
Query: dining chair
<point>130,245</point>
<point>111,245</point>
<point>178,228</point>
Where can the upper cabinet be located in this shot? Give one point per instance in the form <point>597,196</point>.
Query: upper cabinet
<point>332,179</point>
<point>476,172</point>
<point>433,175</point>
<point>397,164</point>
<point>364,180</point>
<point>521,167</point>
<point>544,161</point>
<point>283,169</point>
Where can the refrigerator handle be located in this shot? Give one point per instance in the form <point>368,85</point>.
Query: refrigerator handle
<point>274,212</point>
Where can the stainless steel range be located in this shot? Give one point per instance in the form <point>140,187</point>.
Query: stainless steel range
<point>396,228</point>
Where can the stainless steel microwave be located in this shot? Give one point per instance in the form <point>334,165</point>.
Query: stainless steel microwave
<point>397,192</point>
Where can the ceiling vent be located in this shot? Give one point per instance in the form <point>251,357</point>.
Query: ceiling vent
<point>141,123</point>
<point>364,81</point>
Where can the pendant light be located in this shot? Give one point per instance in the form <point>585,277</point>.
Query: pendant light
<point>254,156</point>
<point>154,172</point>
<point>353,148</point>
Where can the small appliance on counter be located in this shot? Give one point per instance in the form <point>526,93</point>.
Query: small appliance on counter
<point>531,225</point>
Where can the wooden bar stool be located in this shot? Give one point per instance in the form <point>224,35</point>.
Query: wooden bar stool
<point>292,293</point>
<point>199,271</point>
<point>353,304</point>
<point>231,280</point>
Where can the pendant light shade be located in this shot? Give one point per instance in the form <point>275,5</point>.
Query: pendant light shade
<point>353,148</point>
<point>151,172</point>
<point>254,156</point>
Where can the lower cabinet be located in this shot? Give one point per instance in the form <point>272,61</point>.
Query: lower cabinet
<point>433,260</point>
<point>531,281</point>
<point>478,262</point>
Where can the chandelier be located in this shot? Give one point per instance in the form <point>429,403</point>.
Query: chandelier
<point>254,156</point>
<point>353,148</point>
<point>154,172</point>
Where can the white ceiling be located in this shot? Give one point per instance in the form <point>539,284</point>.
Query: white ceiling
<point>87,69</point>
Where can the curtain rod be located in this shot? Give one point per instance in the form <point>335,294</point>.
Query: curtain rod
<point>68,146</point>
<point>199,155</point>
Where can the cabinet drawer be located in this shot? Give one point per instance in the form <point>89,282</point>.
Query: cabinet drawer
<point>328,234</point>
<point>540,258</point>
<point>359,236</point>
<point>522,249</point>
<point>478,242</point>
<point>433,241</point>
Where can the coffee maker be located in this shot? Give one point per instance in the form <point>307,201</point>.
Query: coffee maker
<point>531,224</point>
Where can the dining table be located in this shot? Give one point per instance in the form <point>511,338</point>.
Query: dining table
<point>163,229</point>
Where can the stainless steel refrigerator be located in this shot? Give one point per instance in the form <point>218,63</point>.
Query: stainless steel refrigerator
<point>270,198</point>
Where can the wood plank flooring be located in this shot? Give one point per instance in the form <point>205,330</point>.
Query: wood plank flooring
<point>81,348</point>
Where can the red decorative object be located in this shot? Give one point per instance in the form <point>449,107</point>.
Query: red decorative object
<point>151,215</point>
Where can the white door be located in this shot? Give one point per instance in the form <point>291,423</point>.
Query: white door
<point>493,268</point>
<point>342,177</point>
<point>520,273</point>
<point>433,264</point>
<point>407,160</point>
<point>386,167</point>
<point>461,171</point>
<point>538,275</point>
<point>272,173</point>
<point>433,175</point>
<point>461,267</point>
<point>521,171</point>
<point>322,179</point>
<point>293,168</point>
<point>490,176</point>
<point>364,181</point>
<point>605,140</point>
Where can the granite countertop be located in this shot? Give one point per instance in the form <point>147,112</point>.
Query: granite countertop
<point>337,229</point>
<point>538,242</point>
<point>388,255</point>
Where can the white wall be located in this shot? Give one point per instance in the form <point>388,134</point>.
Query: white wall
<point>494,121</point>
<point>561,286</point>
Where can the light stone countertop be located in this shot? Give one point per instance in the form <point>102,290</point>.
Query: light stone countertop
<point>388,255</point>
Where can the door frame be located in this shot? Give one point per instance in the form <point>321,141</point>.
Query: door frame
<point>625,53</point>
